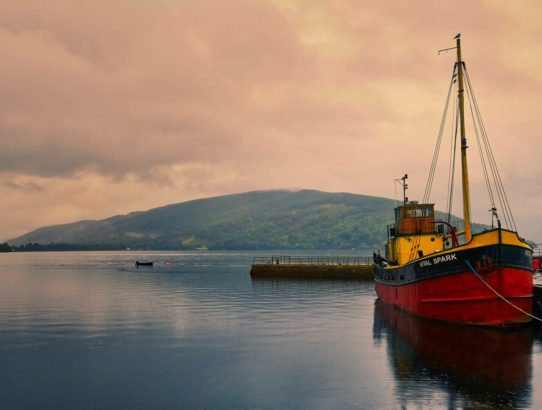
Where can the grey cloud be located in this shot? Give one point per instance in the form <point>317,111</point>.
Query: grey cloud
<point>26,186</point>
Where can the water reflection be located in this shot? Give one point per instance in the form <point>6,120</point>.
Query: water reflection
<point>460,366</point>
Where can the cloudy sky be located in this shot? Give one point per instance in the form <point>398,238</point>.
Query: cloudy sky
<point>113,106</point>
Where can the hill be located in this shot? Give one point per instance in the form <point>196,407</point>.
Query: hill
<point>280,219</point>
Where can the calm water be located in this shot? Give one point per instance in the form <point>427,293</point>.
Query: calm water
<point>90,330</point>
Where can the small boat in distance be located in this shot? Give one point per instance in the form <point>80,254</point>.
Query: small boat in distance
<point>202,248</point>
<point>144,263</point>
<point>481,279</point>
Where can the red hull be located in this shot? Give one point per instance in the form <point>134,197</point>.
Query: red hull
<point>462,297</point>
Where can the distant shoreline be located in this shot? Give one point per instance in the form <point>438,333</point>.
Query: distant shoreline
<point>35,247</point>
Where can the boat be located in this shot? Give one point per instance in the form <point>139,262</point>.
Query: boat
<point>433,269</point>
<point>536,264</point>
<point>202,248</point>
<point>144,263</point>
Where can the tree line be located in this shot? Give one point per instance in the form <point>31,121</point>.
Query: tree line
<point>36,247</point>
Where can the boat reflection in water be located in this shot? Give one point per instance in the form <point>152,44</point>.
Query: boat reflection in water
<point>457,365</point>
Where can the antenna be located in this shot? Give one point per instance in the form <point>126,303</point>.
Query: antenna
<point>403,183</point>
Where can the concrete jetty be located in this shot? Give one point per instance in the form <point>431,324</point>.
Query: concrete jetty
<point>313,267</point>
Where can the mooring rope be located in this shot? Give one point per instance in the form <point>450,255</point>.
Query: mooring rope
<point>499,295</point>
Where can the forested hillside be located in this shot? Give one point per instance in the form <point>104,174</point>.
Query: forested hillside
<point>281,219</point>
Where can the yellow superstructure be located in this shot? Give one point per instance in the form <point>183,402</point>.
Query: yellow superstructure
<point>416,234</point>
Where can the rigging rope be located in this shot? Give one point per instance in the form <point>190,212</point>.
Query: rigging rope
<point>482,157</point>
<point>483,144</point>
<point>416,243</point>
<point>430,178</point>
<point>498,294</point>
<point>499,187</point>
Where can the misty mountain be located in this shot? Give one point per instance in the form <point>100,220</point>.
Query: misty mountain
<point>278,219</point>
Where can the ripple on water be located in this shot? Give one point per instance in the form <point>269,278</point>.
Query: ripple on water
<point>158,337</point>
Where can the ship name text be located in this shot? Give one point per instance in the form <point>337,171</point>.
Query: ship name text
<point>438,259</point>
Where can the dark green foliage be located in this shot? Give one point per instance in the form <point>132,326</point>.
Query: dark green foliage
<point>303,219</point>
<point>4,247</point>
<point>52,247</point>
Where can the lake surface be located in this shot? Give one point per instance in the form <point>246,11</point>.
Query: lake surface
<point>90,330</point>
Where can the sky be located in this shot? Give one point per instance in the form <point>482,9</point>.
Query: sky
<point>114,106</point>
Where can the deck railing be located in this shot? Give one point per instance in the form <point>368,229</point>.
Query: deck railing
<point>312,260</point>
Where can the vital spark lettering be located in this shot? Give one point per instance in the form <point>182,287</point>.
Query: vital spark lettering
<point>438,259</point>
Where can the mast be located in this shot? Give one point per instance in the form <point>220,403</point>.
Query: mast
<point>464,166</point>
<point>405,186</point>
